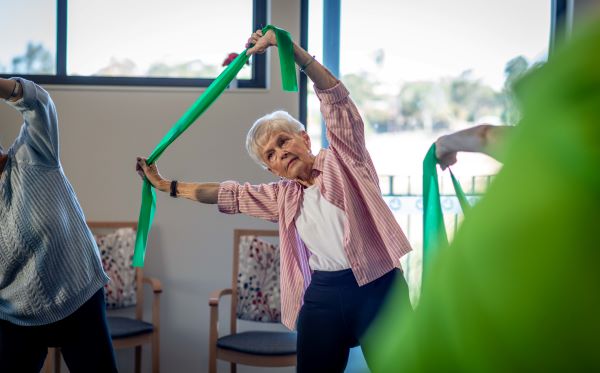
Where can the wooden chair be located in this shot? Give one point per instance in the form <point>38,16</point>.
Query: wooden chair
<point>257,348</point>
<point>127,332</point>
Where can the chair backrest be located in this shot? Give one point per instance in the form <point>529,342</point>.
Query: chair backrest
<point>255,277</point>
<point>106,233</point>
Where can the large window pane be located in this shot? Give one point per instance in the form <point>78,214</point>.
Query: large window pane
<point>420,69</point>
<point>28,37</point>
<point>155,38</point>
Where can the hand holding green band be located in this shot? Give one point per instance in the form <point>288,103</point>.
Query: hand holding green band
<point>434,231</point>
<point>214,90</point>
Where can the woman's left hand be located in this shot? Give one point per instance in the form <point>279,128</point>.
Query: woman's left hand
<point>150,172</point>
<point>261,42</point>
<point>445,154</point>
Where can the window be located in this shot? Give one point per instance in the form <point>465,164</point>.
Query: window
<point>420,69</point>
<point>28,50</point>
<point>134,42</point>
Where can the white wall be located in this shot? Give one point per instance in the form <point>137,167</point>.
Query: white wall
<point>103,130</point>
<point>586,9</point>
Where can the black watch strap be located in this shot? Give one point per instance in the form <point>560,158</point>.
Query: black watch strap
<point>15,91</point>
<point>173,192</point>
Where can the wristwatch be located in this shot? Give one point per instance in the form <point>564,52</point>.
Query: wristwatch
<point>15,91</point>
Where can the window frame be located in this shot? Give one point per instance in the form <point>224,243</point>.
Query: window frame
<point>259,65</point>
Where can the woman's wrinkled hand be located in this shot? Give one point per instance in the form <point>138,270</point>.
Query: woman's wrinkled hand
<point>259,43</point>
<point>149,172</point>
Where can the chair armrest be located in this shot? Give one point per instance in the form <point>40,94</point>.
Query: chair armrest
<point>216,295</point>
<point>157,290</point>
<point>154,283</point>
<point>213,303</point>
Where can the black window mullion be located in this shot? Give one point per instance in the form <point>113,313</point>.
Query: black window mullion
<point>303,96</point>
<point>331,46</point>
<point>559,24</point>
<point>61,38</point>
<point>259,62</point>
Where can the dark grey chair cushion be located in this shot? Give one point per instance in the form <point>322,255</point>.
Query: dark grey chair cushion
<point>121,327</point>
<point>260,343</point>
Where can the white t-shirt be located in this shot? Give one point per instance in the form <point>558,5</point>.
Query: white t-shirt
<point>321,227</point>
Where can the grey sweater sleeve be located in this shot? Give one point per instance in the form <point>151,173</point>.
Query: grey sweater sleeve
<point>37,142</point>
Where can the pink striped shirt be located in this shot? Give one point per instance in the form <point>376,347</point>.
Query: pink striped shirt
<point>346,177</point>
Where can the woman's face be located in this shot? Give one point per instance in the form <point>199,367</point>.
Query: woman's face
<point>288,155</point>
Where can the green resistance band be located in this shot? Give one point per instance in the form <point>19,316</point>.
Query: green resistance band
<point>434,230</point>
<point>214,90</point>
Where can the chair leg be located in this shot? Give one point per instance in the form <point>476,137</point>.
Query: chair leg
<point>138,359</point>
<point>233,367</point>
<point>212,359</point>
<point>57,360</point>
<point>47,368</point>
<point>155,354</point>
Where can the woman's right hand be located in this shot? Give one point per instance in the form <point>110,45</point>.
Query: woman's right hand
<point>149,172</point>
<point>259,43</point>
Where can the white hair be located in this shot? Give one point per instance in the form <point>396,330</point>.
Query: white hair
<point>261,130</point>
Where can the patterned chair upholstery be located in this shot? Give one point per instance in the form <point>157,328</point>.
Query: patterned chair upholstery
<point>116,241</point>
<point>255,297</point>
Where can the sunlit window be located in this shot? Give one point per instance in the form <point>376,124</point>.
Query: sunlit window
<point>420,69</point>
<point>142,42</point>
<point>176,38</point>
<point>28,42</point>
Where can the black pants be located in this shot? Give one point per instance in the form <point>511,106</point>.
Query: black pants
<point>82,336</point>
<point>335,316</point>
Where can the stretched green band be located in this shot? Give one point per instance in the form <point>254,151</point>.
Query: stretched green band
<point>286,58</point>
<point>214,90</point>
<point>434,230</point>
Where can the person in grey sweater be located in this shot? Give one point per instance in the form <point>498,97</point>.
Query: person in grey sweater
<point>51,276</point>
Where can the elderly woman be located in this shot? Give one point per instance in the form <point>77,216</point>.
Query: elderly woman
<point>51,277</point>
<point>340,244</point>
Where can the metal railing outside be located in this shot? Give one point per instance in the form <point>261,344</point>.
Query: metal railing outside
<point>403,195</point>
